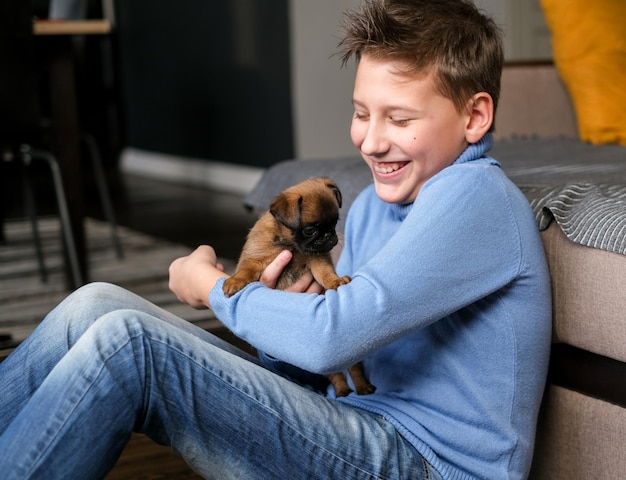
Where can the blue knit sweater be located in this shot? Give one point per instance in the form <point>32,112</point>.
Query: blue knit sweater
<point>449,306</point>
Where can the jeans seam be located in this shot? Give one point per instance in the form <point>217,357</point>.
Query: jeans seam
<point>426,469</point>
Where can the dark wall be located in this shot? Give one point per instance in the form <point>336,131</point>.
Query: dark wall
<point>206,78</point>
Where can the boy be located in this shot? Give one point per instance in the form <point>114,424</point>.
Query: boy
<point>449,308</point>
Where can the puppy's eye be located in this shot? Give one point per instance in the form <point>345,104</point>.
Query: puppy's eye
<point>309,231</point>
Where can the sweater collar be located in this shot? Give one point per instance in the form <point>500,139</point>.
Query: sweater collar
<point>473,152</point>
<point>476,150</point>
<point>401,211</point>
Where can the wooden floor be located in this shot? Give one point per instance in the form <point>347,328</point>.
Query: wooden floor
<point>183,214</point>
<point>145,460</point>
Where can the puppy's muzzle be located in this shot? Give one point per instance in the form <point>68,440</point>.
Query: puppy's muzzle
<point>322,244</point>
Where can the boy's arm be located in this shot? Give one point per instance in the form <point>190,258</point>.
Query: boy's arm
<point>193,277</point>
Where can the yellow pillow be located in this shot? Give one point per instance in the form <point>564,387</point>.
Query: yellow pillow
<point>589,48</point>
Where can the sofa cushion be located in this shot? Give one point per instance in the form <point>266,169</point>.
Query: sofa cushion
<point>587,294</point>
<point>589,48</point>
<point>578,437</point>
<point>514,119</point>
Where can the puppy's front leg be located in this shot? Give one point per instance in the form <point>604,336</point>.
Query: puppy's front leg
<point>248,271</point>
<point>323,271</point>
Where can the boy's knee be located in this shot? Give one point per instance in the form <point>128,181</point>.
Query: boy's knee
<point>98,289</point>
<point>84,306</point>
<point>113,332</point>
<point>96,299</point>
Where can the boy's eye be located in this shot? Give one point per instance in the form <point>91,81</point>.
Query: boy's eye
<point>400,121</point>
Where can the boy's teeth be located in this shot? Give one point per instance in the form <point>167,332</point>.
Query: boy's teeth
<point>387,168</point>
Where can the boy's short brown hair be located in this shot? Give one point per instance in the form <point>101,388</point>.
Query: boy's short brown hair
<point>451,38</point>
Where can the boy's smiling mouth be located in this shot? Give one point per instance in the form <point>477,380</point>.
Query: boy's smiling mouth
<point>388,167</point>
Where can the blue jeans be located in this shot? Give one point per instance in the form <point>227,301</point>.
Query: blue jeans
<point>106,363</point>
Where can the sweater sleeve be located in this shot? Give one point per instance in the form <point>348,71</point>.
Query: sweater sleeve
<point>459,243</point>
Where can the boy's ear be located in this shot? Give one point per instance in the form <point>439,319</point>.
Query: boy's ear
<point>480,116</point>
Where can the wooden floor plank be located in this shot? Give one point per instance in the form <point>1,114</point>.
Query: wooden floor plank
<point>143,459</point>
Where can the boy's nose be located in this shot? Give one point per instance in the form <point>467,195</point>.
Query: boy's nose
<point>375,140</point>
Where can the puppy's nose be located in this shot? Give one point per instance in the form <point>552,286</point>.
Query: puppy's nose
<point>330,237</point>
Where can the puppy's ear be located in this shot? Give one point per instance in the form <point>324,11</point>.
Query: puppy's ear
<point>286,209</point>
<point>336,192</point>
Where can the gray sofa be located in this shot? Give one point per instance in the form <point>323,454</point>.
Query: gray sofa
<point>578,192</point>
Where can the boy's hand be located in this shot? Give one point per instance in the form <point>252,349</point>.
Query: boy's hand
<point>270,275</point>
<point>193,277</point>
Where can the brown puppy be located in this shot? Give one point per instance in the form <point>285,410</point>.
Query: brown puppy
<point>302,219</point>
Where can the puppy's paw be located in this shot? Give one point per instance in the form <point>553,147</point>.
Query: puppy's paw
<point>365,389</point>
<point>339,281</point>
<point>233,284</point>
<point>342,389</point>
<point>361,383</point>
<point>343,392</point>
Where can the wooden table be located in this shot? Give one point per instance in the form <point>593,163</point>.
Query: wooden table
<point>72,27</point>
<point>56,39</point>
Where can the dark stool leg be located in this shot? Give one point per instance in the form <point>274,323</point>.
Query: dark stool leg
<point>27,155</point>
<point>103,190</point>
<point>29,204</point>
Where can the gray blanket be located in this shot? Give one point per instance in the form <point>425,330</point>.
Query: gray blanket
<point>589,214</point>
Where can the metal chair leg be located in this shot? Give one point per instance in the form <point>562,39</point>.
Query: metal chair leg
<point>29,203</point>
<point>107,206</point>
<point>27,155</point>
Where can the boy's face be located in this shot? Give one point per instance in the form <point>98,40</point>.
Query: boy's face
<point>405,130</point>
